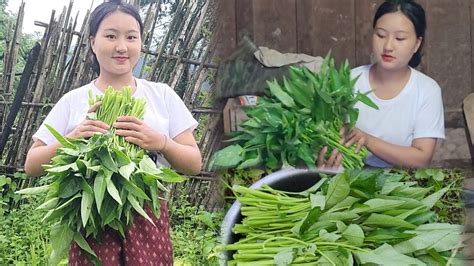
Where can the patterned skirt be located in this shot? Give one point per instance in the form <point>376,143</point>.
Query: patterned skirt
<point>144,243</point>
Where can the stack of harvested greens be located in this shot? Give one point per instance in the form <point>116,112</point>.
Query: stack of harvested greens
<point>366,217</point>
<point>101,181</point>
<point>296,120</point>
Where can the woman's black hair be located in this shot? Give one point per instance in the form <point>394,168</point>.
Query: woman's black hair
<point>102,11</point>
<point>412,11</point>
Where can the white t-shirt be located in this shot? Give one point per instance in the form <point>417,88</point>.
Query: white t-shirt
<point>165,112</point>
<point>416,112</point>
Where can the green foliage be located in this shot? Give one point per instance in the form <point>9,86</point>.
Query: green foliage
<point>449,209</point>
<point>24,238</point>
<point>26,41</point>
<point>194,232</point>
<point>8,186</point>
<point>362,216</point>
<point>295,120</point>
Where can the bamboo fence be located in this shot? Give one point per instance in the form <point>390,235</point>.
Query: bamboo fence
<point>183,58</point>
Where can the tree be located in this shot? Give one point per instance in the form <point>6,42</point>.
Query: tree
<point>7,26</point>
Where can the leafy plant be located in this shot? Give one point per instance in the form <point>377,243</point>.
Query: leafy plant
<point>449,209</point>
<point>295,120</point>
<point>24,239</point>
<point>365,215</point>
<point>99,182</point>
<point>8,186</point>
<point>194,232</point>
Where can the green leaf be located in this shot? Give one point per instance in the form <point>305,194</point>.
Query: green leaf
<point>86,187</point>
<point>388,187</point>
<point>61,238</point>
<point>379,205</point>
<point>341,216</point>
<point>82,243</point>
<point>33,190</point>
<point>327,236</point>
<point>136,206</point>
<point>341,257</point>
<point>284,257</point>
<point>106,160</point>
<point>69,151</point>
<point>69,187</point>
<point>281,95</point>
<point>49,204</point>
<point>410,212</point>
<point>63,209</point>
<point>134,189</point>
<point>86,206</point>
<point>307,155</point>
<point>421,218</point>
<point>100,185</point>
<point>344,204</point>
<point>385,255</point>
<point>317,201</point>
<point>147,165</point>
<point>298,94</point>
<point>440,237</point>
<point>113,192</point>
<point>63,168</point>
<point>431,200</point>
<point>251,162</point>
<point>353,115</point>
<point>126,170</point>
<point>434,254</point>
<point>303,225</point>
<point>386,235</point>
<point>228,157</point>
<point>170,176</point>
<point>338,190</point>
<point>354,234</point>
<point>122,158</point>
<point>324,95</point>
<point>366,100</point>
<point>387,221</point>
<point>66,143</point>
<point>436,173</point>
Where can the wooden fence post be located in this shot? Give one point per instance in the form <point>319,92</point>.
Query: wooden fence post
<point>20,93</point>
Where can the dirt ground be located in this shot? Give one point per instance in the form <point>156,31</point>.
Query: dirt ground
<point>453,151</point>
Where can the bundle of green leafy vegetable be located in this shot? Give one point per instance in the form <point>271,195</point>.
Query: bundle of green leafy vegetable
<point>296,119</point>
<point>370,217</point>
<point>100,182</point>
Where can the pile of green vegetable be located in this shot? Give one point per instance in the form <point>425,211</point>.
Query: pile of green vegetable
<point>366,217</point>
<point>295,120</point>
<point>100,182</point>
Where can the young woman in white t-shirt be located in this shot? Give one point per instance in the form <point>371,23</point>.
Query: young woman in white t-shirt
<point>410,120</point>
<point>167,128</point>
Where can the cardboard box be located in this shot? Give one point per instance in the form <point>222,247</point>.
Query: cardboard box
<point>234,114</point>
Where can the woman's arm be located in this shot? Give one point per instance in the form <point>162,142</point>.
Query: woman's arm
<point>418,155</point>
<point>39,154</point>
<point>183,153</point>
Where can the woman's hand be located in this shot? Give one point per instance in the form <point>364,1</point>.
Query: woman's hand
<point>181,151</point>
<point>138,132</point>
<point>357,136</point>
<point>335,159</point>
<point>89,127</point>
<point>333,162</point>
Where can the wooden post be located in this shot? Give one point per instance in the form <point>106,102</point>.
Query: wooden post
<point>20,93</point>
